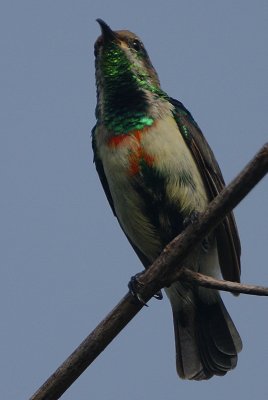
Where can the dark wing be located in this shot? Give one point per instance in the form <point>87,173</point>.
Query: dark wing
<point>105,185</point>
<point>100,170</point>
<point>229,249</point>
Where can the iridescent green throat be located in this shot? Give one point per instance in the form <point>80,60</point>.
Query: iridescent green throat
<point>125,103</point>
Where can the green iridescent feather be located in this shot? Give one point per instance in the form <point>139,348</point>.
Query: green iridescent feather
<point>125,102</point>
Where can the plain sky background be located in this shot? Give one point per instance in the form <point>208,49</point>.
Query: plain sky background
<point>64,261</point>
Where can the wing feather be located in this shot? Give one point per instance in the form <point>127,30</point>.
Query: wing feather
<point>229,249</point>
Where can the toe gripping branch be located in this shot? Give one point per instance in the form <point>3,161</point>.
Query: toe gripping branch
<point>134,287</point>
<point>192,219</point>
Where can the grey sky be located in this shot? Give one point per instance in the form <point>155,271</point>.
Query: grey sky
<point>64,261</point>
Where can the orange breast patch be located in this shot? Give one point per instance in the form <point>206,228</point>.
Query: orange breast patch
<point>137,155</point>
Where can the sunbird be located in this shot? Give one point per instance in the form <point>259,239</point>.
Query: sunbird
<point>159,173</point>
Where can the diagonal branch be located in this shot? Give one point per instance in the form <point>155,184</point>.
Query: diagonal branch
<point>164,270</point>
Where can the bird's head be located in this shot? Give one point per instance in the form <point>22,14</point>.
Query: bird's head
<point>125,77</point>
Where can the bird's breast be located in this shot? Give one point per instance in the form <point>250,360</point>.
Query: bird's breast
<point>154,183</point>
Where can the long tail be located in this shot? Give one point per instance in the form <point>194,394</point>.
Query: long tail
<point>207,341</point>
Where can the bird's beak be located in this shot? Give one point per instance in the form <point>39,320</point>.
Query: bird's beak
<point>107,33</point>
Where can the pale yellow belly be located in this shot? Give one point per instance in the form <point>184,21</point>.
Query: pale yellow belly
<point>171,155</point>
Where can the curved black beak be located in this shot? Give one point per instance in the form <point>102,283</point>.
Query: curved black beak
<point>107,33</point>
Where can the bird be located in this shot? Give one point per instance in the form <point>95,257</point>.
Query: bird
<point>158,173</point>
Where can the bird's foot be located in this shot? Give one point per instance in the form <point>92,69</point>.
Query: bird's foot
<point>158,295</point>
<point>191,219</point>
<point>134,286</point>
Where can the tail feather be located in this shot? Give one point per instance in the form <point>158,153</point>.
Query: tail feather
<point>207,341</point>
<point>216,344</point>
<point>187,356</point>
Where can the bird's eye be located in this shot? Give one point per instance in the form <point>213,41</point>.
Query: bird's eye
<point>136,45</point>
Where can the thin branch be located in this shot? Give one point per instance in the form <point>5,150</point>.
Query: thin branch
<point>196,278</point>
<point>155,277</point>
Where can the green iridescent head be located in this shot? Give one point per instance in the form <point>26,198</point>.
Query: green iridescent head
<point>127,83</point>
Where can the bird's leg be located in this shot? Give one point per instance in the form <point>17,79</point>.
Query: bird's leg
<point>134,286</point>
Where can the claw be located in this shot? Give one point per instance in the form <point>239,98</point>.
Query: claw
<point>191,219</point>
<point>133,286</point>
<point>158,295</point>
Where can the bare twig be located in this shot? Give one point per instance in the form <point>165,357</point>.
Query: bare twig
<point>155,277</point>
<point>196,278</point>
